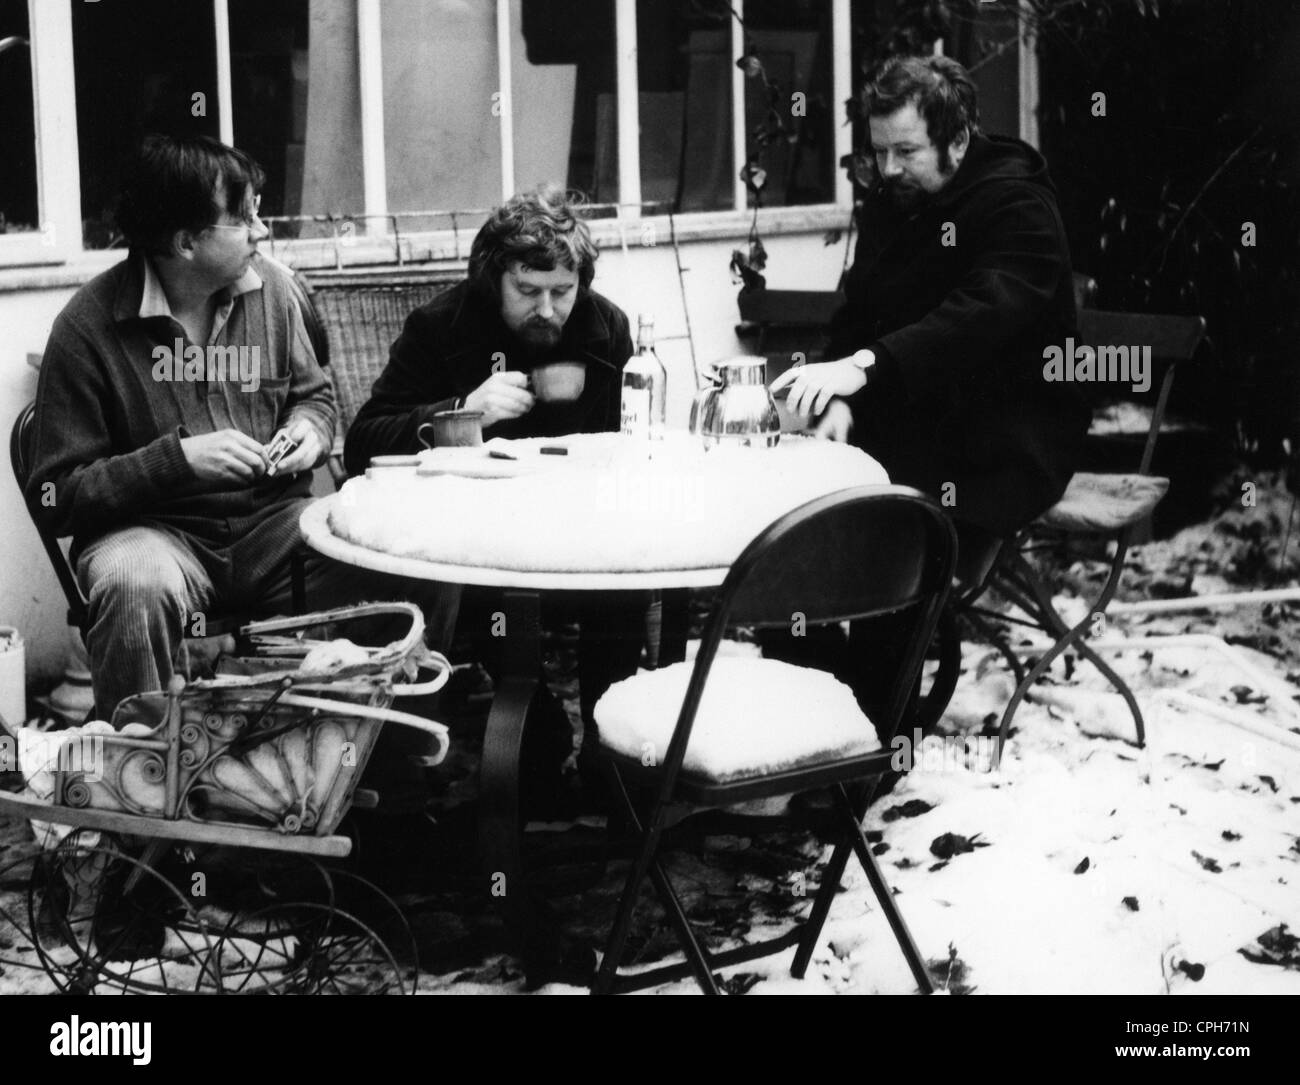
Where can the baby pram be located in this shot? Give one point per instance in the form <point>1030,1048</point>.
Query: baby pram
<point>266,755</point>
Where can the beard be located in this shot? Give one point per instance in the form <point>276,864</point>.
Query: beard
<point>906,197</point>
<point>540,334</point>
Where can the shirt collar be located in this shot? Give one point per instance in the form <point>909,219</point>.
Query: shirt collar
<point>153,299</point>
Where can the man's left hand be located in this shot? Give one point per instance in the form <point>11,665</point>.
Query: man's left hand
<point>813,386</point>
<point>309,452</point>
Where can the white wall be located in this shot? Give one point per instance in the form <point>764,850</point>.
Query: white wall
<point>645,280</point>
<point>30,597</point>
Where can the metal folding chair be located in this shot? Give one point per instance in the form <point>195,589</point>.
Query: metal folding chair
<point>1099,505</point>
<point>853,555</point>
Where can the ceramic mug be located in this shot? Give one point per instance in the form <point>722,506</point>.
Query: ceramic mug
<point>451,429</point>
<point>559,382</point>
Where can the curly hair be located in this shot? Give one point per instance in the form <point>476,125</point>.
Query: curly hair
<point>940,88</point>
<point>172,184</point>
<point>538,229</point>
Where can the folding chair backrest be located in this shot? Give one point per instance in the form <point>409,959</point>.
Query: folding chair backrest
<point>1171,339</point>
<point>20,456</point>
<point>848,555</point>
<point>777,323</point>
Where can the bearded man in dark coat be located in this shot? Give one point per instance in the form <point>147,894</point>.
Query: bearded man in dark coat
<point>960,281</point>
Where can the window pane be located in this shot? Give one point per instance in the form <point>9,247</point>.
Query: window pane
<point>790,116</point>
<point>18,192</point>
<point>270,66</point>
<point>988,46</point>
<point>442,139</point>
<point>138,69</point>
<point>565,95</point>
<point>684,83</point>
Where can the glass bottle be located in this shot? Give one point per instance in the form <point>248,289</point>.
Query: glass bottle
<point>645,385</point>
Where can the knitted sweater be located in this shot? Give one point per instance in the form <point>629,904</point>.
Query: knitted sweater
<point>121,385</point>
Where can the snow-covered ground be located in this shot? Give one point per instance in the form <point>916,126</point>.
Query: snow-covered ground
<point>1083,864</point>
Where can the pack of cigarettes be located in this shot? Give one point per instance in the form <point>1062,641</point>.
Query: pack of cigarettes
<point>281,445</point>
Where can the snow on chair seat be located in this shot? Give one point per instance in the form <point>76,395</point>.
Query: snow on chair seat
<point>757,716</point>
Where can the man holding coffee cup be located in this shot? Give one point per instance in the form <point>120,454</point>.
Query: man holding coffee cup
<point>524,340</point>
<point>525,343</point>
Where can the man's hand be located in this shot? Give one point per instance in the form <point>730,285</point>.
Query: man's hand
<point>501,396</point>
<point>836,422</point>
<point>228,455</point>
<point>308,453</point>
<point>813,386</point>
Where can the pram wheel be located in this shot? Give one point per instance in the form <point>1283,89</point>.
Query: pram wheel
<point>305,948</point>
<point>98,921</point>
<point>289,925</point>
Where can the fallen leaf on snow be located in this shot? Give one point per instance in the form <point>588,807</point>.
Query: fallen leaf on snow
<point>1276,946</point>
<point>950,844</point>
<point>913,808</point>
<point>1207,863</point>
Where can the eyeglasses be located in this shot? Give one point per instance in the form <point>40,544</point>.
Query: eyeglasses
<point>248,222</point>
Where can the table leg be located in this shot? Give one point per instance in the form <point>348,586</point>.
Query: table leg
<point>499,825</point>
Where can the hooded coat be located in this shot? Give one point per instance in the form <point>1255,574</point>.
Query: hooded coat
<point>958,297</point>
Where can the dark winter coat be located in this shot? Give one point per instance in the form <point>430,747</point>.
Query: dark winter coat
<point>958,299</point>
<point>447,349</point>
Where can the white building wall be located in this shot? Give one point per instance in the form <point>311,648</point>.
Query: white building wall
<point>30,597</point>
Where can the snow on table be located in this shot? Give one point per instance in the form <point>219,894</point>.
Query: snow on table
<point>605,507</point>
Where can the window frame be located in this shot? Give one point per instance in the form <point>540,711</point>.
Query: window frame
<point>60,189</point>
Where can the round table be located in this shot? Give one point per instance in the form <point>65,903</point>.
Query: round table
<point>521,662</point>
<point>317,534</point>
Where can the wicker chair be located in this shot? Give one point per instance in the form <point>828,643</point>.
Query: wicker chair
<point>363,313</point>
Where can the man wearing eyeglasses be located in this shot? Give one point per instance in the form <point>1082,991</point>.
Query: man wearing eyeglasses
<point>164,382</point>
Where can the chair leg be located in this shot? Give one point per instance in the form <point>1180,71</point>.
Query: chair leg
<point>641,866</point>
<point>695,953</point>
<point>1036,672</point>
<point>604,981</point>
<point>883,894</point>
<point>1120,686</point>
<point>821,908</point>
<point>1067,637</point>
<point>996,638</point>
<point>931,707</point>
